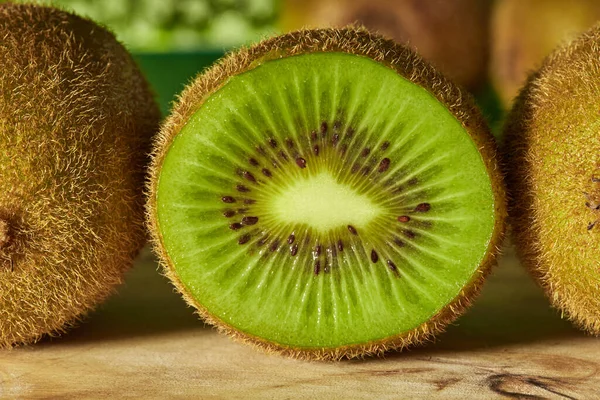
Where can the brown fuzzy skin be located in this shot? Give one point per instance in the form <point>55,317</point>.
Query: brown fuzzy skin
<point>553,153</point>
<point>405,62</point>
<point>76,121</point>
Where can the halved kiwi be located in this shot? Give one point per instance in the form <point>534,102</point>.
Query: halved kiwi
<point>326,194</point>
<point>76,118</point>
<point>553,170</point>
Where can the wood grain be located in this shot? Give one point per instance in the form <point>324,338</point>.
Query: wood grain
<point>145,343</point>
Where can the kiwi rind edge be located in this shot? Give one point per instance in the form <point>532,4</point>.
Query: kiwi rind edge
<point>353,40</point>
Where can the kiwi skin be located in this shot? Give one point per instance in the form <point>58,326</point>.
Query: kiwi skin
<point>551,150</point>
<point>76,121</point>
<point>353,40</point>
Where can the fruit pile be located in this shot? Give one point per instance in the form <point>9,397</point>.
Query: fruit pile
<point>323,194</point>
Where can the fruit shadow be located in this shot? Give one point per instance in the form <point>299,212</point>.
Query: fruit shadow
<point>145,305</point>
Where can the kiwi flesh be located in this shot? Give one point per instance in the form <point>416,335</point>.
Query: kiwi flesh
<point>326,194</point>
<point>525,32</point>
<point>553,166</point>
<point>76,121</point>
<point>452,35</point>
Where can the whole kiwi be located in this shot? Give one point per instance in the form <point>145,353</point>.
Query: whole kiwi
<point>524,32</point>
<point>452,35</point>
<point>553,170</point>
<point>76,119</point>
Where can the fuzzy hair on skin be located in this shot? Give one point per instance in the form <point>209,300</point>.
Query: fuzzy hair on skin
<point>76,121</point>
<point>352,40</point>
<point>552,154</point>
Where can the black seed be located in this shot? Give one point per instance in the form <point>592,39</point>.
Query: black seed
<point>384,165</point>
<point>267,173</point>
<point>349,133</point>
<point>403,218</point>
<point>317,251</point>
<point>337,125</point>
<point>365,152</point>
<point>343,148</point>
<point>289,142</point>
<point>316,149</point>
<point>260,150</point>
<point>392,266</point>
<point>352,230</point>
<point>227,199</point>
<point>294,250</point>
<point>235,226</point>
<point>591,225</point>
<point>242,210</point>
<point>301,162</point>
<point>244,239</point>
<point>374,256</point>
<point>317,267</point>
<point>253,162</point>
<point>313,136</point>
<point>272,143</point>
<point>385,145</point>
<point>399,242</point>
<point>228,213</point>
<point>335,139</point>
<point>274,245</point>
<point>340,245</point>
<point>249,220</point>
<point>354,168</point>
<point>413,181</point>
<point>366,170</point>
<point>291,239</point>
<point>242,188</point>
<point>423,207</point>
<point>283,155</point>
<point>262,241</point>
<point>249,176</point>
<point>323,128</point>
<point>410,234</point>
<point>249,201</point>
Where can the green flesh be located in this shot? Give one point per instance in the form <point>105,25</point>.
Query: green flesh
<point>258,287</point>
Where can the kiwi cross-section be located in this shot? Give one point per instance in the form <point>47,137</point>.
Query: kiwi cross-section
<point>553,170</point>
<point>326,194</point>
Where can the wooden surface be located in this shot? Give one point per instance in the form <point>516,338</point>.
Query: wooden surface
<point>145,343</point>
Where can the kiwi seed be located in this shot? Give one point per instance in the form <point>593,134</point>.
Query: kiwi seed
<point>382,211</point>
<point>76,120</point>
<point>553,163</point>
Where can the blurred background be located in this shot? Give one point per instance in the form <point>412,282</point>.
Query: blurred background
<point>487,46</point>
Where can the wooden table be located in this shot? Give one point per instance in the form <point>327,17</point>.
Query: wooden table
<point>145,343</point>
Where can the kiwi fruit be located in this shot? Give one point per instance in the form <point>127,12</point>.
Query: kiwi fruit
<point>453,35</point>
<point>326,194</point>
<point>525,32</point>
<point>553,170</point>
<point>76,122</point>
